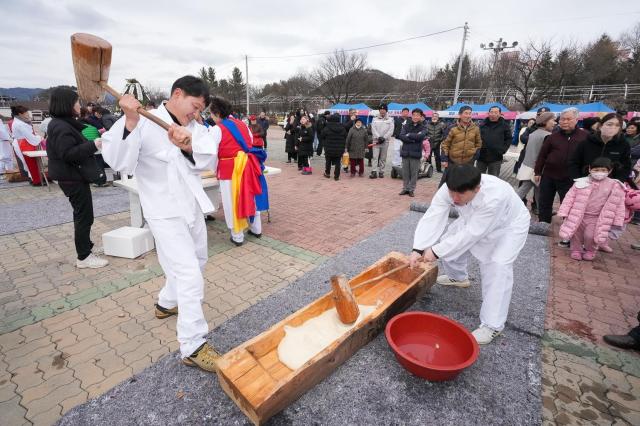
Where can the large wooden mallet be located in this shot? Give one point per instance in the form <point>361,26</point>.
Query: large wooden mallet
<point>91,63</point>
<point>345,301</point>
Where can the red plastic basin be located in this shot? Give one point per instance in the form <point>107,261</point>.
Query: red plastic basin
<point>431,346</point>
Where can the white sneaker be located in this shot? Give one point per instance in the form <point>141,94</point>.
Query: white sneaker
<point>92,261</point>
<point>97,250</point>
<point>485,335</point>
<point>445,280</point>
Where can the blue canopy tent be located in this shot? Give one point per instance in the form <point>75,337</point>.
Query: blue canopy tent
<point>362,110</point>
<point>395,108</point>
<point>555,108</point>
<point>593,109</point>
<point>479,110</point>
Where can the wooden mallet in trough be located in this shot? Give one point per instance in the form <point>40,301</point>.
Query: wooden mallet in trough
<point>91,57</point>
<point>345,301</point>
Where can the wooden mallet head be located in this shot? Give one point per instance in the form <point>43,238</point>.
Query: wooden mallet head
<point>91,63</point>
<point>346,305</point>
<point>91,57</point>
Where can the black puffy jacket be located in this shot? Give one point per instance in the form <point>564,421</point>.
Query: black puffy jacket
<point>617,150</point>
<point>66,149</point>
<point>304,141</point>
<point>334,137</point>
<point>412,135</point>
<point>496,138</point>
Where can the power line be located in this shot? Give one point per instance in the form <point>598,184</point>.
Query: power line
<point>306,55</point>
<point>570,18</point>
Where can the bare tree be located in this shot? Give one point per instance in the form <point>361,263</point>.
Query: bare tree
<point>630,41</point>
<point>528,73</point>
<point>157,95</point>
<point>341,76</point>
<point>416,77</point>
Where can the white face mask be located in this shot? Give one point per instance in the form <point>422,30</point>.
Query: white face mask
<point>609,131</point>
<point>598,175</point>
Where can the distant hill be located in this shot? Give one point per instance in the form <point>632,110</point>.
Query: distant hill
<point>20,93</point>
<point>26,94</point>
<point>376,81</point>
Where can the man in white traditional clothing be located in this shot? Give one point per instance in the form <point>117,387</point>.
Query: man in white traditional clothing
<point>6,151</point>
<point>167,168</point>
<point>492,226</point>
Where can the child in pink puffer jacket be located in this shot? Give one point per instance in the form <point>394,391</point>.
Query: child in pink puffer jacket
<point>591,207</point>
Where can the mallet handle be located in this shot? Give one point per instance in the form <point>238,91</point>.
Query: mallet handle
<point>160,122</point>
<point>379,277</point>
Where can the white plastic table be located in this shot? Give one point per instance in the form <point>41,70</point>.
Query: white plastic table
<point>210,185</point>
<point>39,155</point>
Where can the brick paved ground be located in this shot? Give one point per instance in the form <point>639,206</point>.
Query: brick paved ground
<point>586,381</point>
<point>68,335</point>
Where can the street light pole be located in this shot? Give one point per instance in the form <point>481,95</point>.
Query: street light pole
<point>497,48</point>
<point>246,72</point>
<point>464,38</point>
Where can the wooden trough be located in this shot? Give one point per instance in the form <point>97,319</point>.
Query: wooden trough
<point>255,379</point>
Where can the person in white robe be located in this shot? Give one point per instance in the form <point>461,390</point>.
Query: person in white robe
<point>492,226</point>
<point>173,202</point>
<point>6,151</point>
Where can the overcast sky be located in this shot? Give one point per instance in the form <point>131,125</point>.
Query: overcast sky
<point>158,41</point>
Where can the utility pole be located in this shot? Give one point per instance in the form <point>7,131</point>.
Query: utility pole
<point>497,48</point>
<point>246,72</point>
<point>464,39</point>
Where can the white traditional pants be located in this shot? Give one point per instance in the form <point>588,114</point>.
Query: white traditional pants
<point>6,156</point>
<point>497,284</point>
<point>225,193</point>
<point>182,252</point>
<point>20,157</point>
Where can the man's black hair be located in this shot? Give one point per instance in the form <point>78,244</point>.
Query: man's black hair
<point>18,109</point>
<point>62,102</point>
<point>192,86</point>
<point>462,178</point>
<point>418,110</point>
<point>327,112</point>
<point>602,162</point>
<point>464,108</point>
<point>406,109</point>
<point>221,107</point>
<point>495,106</point>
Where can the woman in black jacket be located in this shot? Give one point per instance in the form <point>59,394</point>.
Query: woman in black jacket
<point>304,145</point>
<point>607,142</point>
<point>72,164</point>
<point>289,137</point>
<point>334,138</point>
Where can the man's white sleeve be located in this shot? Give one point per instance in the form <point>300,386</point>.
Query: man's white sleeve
<point>122,154</point>
<point>4,132</point>
<point>478,226</point>
<point>434,221</point>
<point>205,142</point>
<point>21,132</point>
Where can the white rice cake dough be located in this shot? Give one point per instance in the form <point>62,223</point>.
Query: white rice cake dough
<point>302,343</point>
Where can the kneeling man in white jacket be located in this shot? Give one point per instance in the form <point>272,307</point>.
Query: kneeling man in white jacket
<point>492,226</point>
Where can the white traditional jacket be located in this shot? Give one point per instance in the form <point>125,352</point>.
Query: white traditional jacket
<point>495,212</point>
<point>169,185</point>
